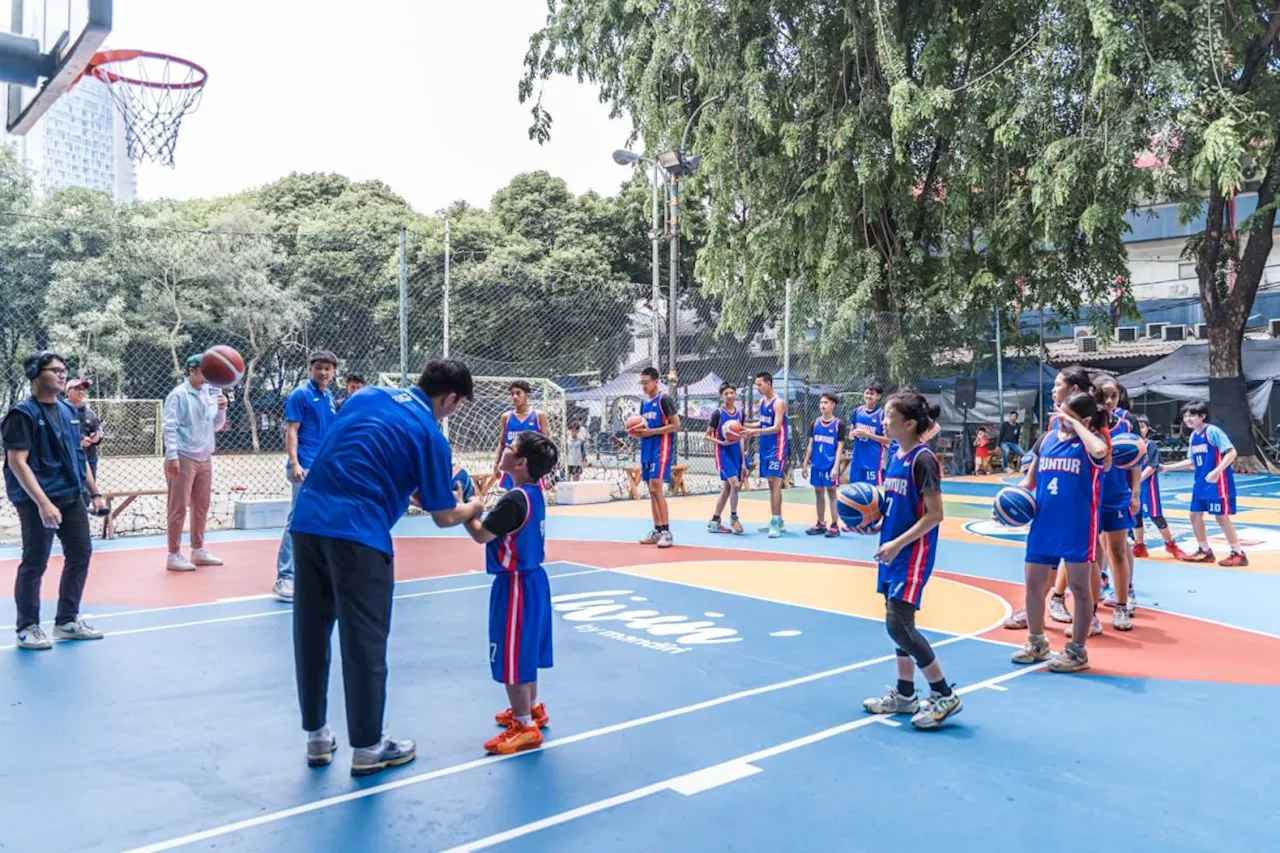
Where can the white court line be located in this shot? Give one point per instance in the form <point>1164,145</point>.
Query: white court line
<point>352,796</point>
<point>262,614</point>
<point>727,771</point>
<point>116,614</point>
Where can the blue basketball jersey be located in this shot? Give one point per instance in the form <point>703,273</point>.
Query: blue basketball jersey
<point>657,448</point>
<point>732,454</point>
<point>825,435</point>
<point>772,446</point>
<point>523,549</point>
<point>515,425</point>
<point>866,454</point>
<point>1207,447</point>
<point>1068,501</point>
<point>906,576</point>
<point>1116,493</point>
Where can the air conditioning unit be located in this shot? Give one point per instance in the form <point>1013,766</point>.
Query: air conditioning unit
<point>1202,331</point>
<point>1082,331</point>
<point>1126,333</point>
<point>1173,332</point>
<point>1273,328</point>
<point>1087,343</point>
<point>1153,329</point>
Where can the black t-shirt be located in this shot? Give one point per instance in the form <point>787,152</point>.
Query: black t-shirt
<point>508,515</point>
<point>927,474</point>
<point>18,432</point>
<point>89,424</point>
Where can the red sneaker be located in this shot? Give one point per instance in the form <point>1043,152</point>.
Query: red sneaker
<point>515,738</point>
<point>1202,555</point>
<point>1235,561</point>
<point>507,717</point>
<point>1174,551</point>
<point>1140,550</point>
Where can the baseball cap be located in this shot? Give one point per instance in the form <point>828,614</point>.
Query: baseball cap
<point>78,383</point>
<point>193,361</point>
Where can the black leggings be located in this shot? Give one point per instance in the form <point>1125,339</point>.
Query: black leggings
<point>900,619</point>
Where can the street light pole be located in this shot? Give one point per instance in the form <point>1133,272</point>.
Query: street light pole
<point>655,236</point>
<point>674,276</point>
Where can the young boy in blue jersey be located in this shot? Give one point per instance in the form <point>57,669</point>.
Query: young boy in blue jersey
<point>657,452</point>
<point>908,548</point>
<point>867,438</point>
<point>729,461</point>
<point>770,426</point>
<point>386,451</point>
<point>1211,453</point>
<point>521,418</point>
<point>514,536</point>
<point>822,464</point>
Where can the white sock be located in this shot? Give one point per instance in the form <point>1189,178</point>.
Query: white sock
<point>526,720</point>
<point>1204,546</point>
<point>321,733</point>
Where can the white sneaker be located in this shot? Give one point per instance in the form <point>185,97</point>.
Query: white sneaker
<point>283,589</point>
<point>202,557</point>
<point>34,638</point>
<point>664,539</point>
<point>179,563</point>
<point>77,630</point>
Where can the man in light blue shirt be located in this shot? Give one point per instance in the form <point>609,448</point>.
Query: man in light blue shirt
<point>308,413</point>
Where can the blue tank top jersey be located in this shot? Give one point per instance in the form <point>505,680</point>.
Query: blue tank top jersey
<point>523,549</point>
<point>656,447</point>
<point>1207,447</point>
<point>1116,493</point>
<point>515,425</point>
<point>1068,499</point>
<point>734,451</point>
<point>906,506</point>
<point>825,438</point>
<point>772,446</point>
<point>866,454</point>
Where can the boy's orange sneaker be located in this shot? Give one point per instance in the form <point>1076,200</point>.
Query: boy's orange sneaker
<point>1236,560</point>
<point>540,718</point>
<point>1140,550</point>
<point>516,738</point>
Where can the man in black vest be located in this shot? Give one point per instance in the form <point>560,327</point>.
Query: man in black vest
<point>45,476</point>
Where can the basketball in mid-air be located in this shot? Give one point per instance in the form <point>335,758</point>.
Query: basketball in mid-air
<point>732,430</point>
<point>859,505</point>
<point>222,366</point>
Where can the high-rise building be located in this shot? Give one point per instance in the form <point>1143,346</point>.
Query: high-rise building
<point>80,142</point>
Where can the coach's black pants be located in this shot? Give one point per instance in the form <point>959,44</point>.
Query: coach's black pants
<point>37,543</point>
<point>335,579</point>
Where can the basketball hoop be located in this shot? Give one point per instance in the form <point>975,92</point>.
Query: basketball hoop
<point>154,91</point>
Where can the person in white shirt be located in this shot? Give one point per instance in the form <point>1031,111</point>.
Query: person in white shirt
<point>193,412</point>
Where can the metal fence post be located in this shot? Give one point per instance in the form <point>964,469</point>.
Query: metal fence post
<point>404,307</point>
<point>445,311</point>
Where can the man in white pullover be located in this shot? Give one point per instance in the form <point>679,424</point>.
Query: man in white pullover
<point>193,412</point>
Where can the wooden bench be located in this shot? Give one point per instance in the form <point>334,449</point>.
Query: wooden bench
<point>109,520</point>
<point>675,487</point>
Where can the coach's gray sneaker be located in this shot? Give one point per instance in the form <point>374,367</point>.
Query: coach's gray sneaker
<point>282,589</point>
<point>892,702</point>
<point>77,630</point>
<point>389,753</point>
<point>321,745</point>
<point>34,638</point>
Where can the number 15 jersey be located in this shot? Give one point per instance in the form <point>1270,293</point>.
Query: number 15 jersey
<point>1068,493</point>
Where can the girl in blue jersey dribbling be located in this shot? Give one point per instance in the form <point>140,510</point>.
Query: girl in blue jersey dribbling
<point>908,546</point>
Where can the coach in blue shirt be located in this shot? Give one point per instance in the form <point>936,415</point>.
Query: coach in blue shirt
<point>308,413</point>
<point>385,451</point>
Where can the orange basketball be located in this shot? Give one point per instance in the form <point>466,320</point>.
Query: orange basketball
<point>733,430</point>
<point>635,423</point>
<point>222,366</point>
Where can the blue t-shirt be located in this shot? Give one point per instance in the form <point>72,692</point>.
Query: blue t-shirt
<point>314,411</point>
<point>825,437</point>
<point>1207,447</point>
<point>1116,493</point>
<point>386,446</point>
<point>774,445</point>
<point>520,523</point>
<point>1068,497</point>
<point>868,455</point>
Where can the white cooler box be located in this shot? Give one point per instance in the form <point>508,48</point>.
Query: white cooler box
<point>584,492</point>
<point>262,513</point>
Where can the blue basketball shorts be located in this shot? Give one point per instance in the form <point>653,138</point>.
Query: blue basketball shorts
<point>905,578</point>
<point>860,474</point>
<point>771,465</point>
<point>1215,505</point>
<point>1116,519</point>
<point>519,626</point>
<point>822,479</point>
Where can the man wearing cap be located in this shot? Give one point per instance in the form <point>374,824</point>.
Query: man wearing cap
<point>90,426</point>
<point>308,413</point>
<point>193,412</point>
<point>45,478</point>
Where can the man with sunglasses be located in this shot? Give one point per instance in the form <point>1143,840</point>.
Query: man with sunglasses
<point>45,476</point>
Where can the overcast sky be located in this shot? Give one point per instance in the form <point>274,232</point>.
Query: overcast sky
<point>420,94</point>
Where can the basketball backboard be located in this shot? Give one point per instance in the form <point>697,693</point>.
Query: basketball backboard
<point>49,44</point>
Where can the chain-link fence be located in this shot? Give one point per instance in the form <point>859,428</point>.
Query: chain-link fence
<point>126,305</point>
